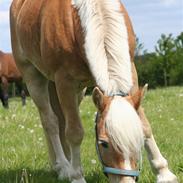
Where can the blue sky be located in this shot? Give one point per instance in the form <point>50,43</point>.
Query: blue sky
<point>150,19</point>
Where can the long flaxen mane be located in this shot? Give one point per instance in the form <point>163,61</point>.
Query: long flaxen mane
<point>106,44</point>
<point>107,51</point>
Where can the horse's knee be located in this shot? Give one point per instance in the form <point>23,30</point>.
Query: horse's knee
<point>74,134</point>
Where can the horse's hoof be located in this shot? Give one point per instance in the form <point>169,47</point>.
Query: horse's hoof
<point>64,171</point>
<point>167,177</point>
<point>82,180</point>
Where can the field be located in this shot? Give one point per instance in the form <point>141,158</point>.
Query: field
<point>23,153</point>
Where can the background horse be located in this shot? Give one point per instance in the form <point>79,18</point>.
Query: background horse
<point>9,73</point>
<point>61,47</point>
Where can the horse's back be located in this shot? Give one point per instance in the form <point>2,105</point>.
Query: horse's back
<point>43,32</point>
<point>8,67</point>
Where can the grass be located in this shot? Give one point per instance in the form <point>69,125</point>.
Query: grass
<point>23,153</point>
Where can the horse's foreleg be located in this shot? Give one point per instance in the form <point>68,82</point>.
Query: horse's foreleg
<point>5,95</point>
<point>69,100</point>
<point>158,162</point>
<point>38,88</point>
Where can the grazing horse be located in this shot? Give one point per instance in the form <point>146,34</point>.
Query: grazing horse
<point>63,46</point>
<point>9,73</point>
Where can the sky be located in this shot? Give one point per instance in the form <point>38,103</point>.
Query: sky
<point>150,19</point>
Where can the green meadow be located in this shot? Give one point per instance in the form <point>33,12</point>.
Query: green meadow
<point>23,151</point>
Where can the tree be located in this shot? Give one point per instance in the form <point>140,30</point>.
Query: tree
<point>165,67</point>
<point>165,51</point>
<point>177,71</point>
<point>179,42</point>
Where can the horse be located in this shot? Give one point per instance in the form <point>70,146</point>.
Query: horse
<point>9,73</point>
<point>62,47</point>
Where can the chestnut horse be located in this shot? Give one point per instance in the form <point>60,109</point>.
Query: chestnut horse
<point>63,46</point>
<point>9,73</point>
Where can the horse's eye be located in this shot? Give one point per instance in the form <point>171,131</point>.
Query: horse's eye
<point>104,143</point>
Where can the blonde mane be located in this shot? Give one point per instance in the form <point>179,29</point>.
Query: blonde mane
<point>124,128</point>
<point>106,44</point>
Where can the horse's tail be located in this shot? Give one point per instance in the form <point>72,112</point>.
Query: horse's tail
<point>106,43</point>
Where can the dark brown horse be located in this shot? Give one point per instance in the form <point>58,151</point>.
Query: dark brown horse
<point>63,46</point>
<point>9,73</point>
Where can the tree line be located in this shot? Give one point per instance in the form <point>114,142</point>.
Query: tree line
<point>164,67</point>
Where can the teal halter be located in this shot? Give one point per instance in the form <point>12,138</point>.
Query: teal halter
<point>116,171</point>
<point>120,93</point>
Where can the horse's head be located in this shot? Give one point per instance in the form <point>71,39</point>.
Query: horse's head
<point>119,135</point>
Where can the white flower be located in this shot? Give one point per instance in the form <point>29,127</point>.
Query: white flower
<point>13,116</point>
<point>21,126</point>
<point>93,161</point>
<point>31,131</point>
<point>40,138</point>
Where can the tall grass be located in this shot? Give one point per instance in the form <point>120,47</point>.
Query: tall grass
<point>23,152</point>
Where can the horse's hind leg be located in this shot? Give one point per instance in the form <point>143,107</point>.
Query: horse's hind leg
<point>158,162</point>
<point>21,90</point>
<point>23,96</point>
<point>58,111</point>
<point>38,88</point>
<point>1,94</point>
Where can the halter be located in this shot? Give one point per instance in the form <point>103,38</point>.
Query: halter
<point>116,171</point>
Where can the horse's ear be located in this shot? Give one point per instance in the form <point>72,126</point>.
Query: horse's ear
<point>138,96</point>
<point>98,98</point>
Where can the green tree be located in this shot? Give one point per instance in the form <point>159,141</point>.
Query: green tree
<point>165,51</point>
<point>177,71</point>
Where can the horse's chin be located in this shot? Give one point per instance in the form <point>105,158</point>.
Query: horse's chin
<point>119,179</point>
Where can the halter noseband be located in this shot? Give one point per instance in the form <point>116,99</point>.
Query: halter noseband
<point>116,171</point>
<point>110,170</point>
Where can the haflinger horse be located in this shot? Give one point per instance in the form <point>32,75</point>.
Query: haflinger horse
<point>9,73</point>
<point>61,47</point>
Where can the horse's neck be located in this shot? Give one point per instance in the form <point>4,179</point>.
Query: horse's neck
<point>106,44</point>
